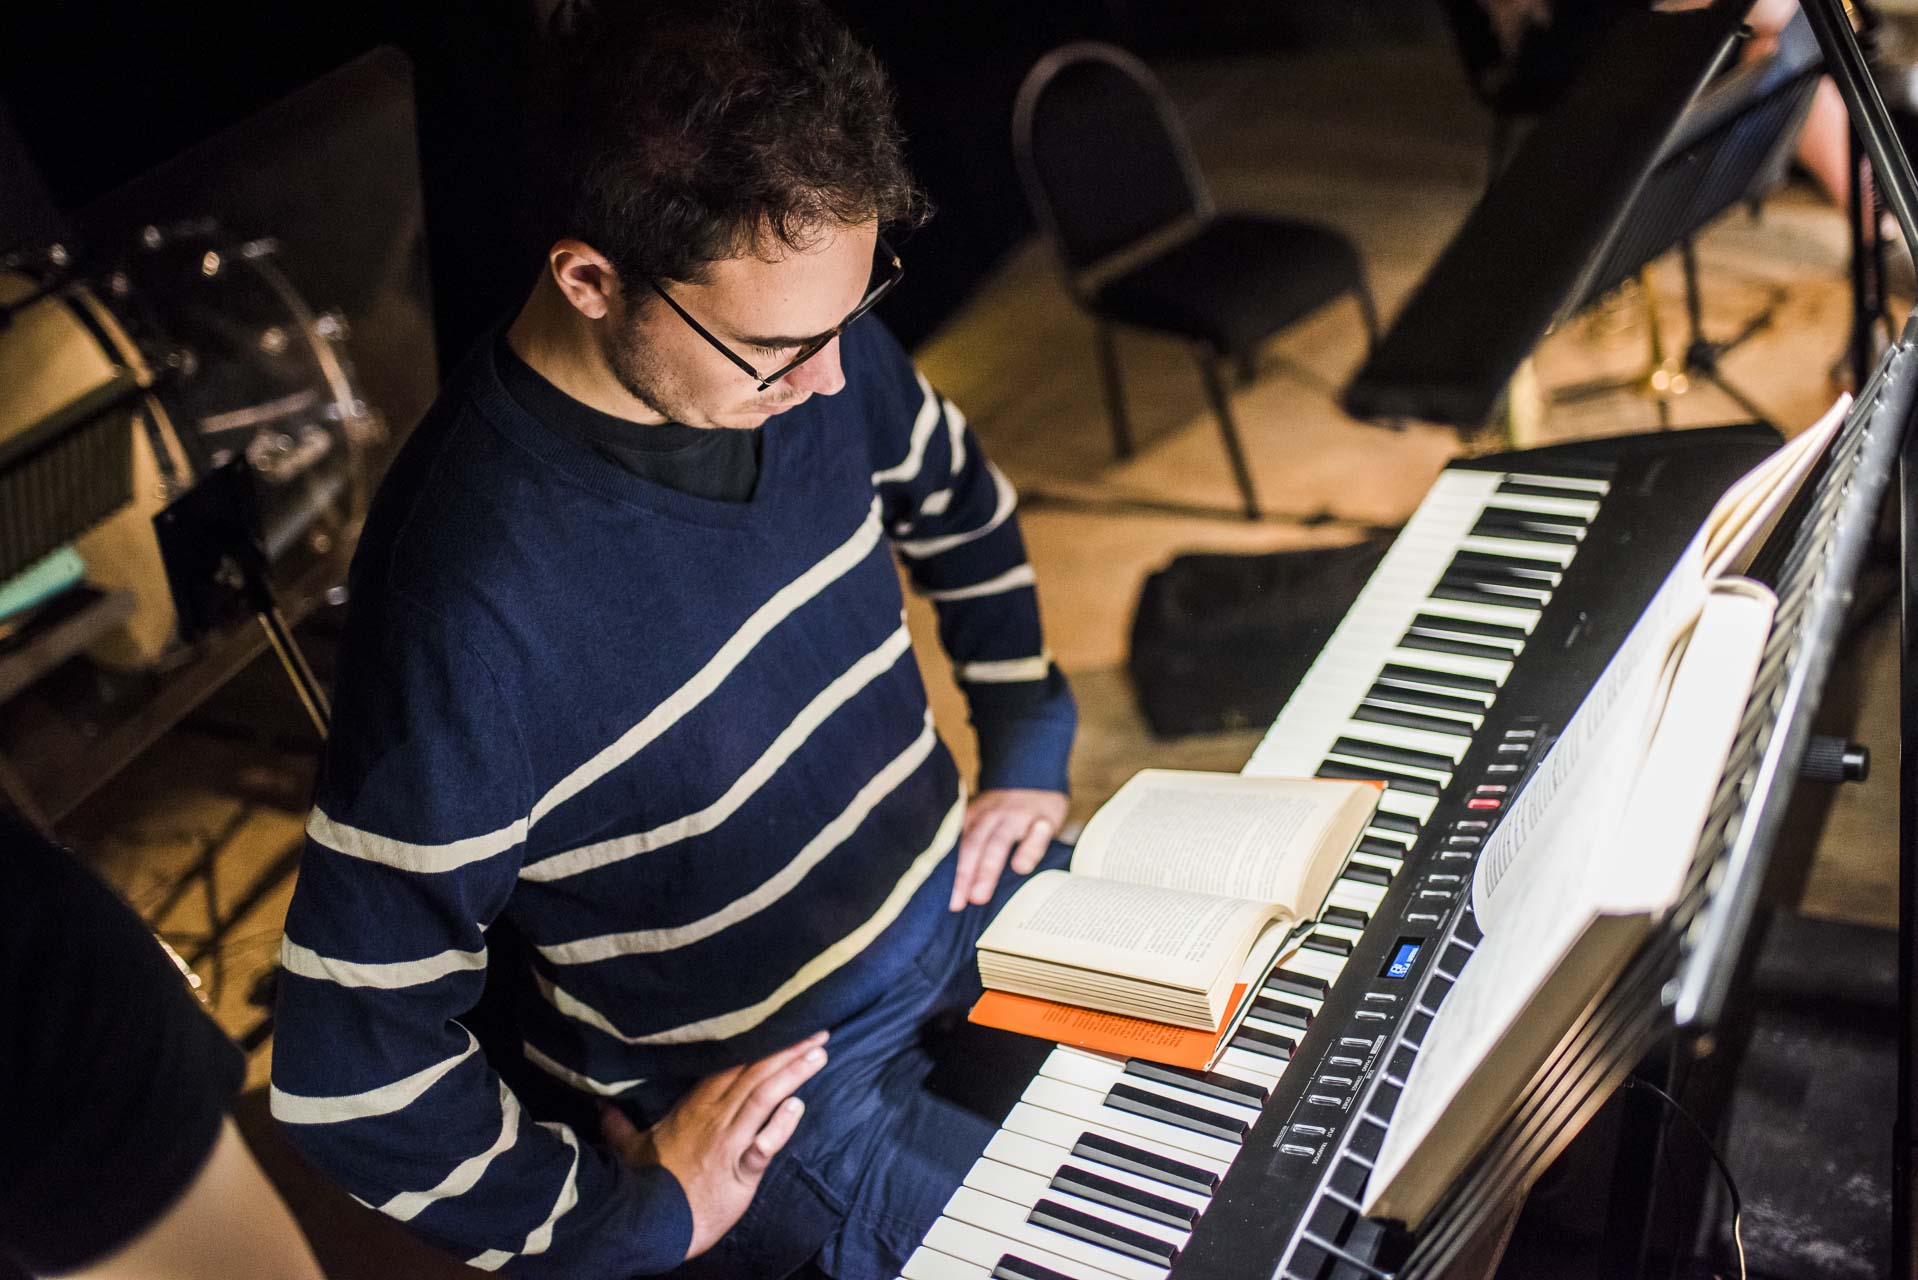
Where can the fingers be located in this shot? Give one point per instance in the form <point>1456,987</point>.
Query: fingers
<point>980,825</point>
<point>771,1137</point>
<point>994,848</point>
<point>1033,847</point>
<point>766,1083</point>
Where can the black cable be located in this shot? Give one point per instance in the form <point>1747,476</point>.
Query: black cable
<point>1711,1148</point>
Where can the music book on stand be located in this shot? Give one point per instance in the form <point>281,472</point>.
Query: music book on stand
<point>1598,845</point>
<point>1182,889</point>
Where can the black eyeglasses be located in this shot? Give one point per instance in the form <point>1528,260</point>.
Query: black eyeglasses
<point>887,270</point>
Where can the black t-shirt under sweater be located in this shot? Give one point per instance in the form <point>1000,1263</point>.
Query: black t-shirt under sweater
<point>113,1080</point>
<point>717,463</point>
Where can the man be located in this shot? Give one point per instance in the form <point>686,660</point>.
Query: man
<point>628,723</point>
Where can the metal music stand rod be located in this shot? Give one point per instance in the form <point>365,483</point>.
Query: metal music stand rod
<point>1871,124</point>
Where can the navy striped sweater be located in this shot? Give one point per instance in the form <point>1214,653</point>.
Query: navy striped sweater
<point>680,746</point>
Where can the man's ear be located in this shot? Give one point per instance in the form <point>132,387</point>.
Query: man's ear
<point>585,276</point>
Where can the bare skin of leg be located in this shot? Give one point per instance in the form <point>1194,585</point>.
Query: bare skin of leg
<point>1824,142</point>
<point>229,1223</point>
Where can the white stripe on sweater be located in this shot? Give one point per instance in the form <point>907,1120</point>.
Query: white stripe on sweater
<point>908,467</point>
<point>466,1174</point>
<point>725,1025</point>
<point>451,856</point>
<point>782,604</point>
<point>956,425</point>
<point>296,1108</point>
<point>584,1083</point>
<point>1011,580</point>
<point>830,837</point>
<point>828,700</point>
<point>1005,670</point>
<point>926,548</point>
<point>540,1238</point>
<point>308,963</point>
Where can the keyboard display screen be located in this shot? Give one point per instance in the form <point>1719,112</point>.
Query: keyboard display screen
<point>1404,956</point>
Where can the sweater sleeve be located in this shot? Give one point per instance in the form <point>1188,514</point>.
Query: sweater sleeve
<point>952,517</point>
<point>413,847</point>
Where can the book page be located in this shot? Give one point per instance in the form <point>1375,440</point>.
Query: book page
<point>1608,857</point>
<point>1167,936</point>
<point>1228,834</point>
<point>1740,521</point>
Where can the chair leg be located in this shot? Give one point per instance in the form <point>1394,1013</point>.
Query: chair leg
<point>1246,365</point>
<point>1115,392</point>
<point>1221,409</point>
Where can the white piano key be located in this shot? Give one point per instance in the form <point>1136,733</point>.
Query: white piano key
<point>1556,553</point>
<point>1585,509</point>
<point>1248,1063</point>
<point>1499,615</point>
<point>1098,1071</point>
<point>1046,1159</point>
<point>930,1264</point>
<point>1493,669</point>
<point>1579,484</point>
<point>1317,964</point>
<point>1408,770</point>
<point>1059,1129</point>
<point>1089,1105</point>
<point>984,1247</point>
<point>1355,896</point>
<point>1451,746</point>
<point>1007,1219</point>
<point>1258,1071</point>
<point>1379,860</point>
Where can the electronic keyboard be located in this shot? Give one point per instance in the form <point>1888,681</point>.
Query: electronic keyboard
<point>1492,615</point>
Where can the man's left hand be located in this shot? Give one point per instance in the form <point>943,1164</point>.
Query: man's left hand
<point>1007,823</point>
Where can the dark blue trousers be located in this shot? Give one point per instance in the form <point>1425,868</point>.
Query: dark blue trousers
<point>877,1155</point>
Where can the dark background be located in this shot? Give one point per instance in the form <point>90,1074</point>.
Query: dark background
<point>101,91</point>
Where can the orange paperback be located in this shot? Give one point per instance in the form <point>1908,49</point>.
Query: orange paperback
<point>1107,1032</point>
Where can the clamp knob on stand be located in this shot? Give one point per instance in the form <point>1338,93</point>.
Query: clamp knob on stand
<point>1829,759</point>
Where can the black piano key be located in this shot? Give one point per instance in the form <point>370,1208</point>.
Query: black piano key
<point>1472,595</point>
<point>1531,490</point>
<point>1253,1040</point>
<point>1396,822</point>
<point>1292,983</point>
<point>1470,627</point>
<point>1399,691</point>
<point>1541,572</point>
<point>1345,917</point>
<point>1397,781</point>
<point>1012,1267</point>
<point>1381,847</point>
<point>1522,533</point>
<point>1088,1185</point>
<point>1123,1155</point>
<point>1083,1226</point>
<point>1461,648</point>
<point>1366,873</point>
<point>1530,519</point>
<point>1283,1012</point>
<point>1329,944</point>
<point>1412,720</point>
<point>1186,1115</point>
<point>1533,593</point>
<point>1385,753</point>
<point>1243,1092</point>
<point>1398,673</point>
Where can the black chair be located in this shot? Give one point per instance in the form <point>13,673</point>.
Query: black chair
<point>1113,182</point>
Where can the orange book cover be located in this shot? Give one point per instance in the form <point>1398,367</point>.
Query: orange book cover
<point>1105,1032</point>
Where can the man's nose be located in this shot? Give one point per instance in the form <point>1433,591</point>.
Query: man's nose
<point>820,375</point>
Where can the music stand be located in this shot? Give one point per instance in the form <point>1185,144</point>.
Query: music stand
<point>1634,158</point>
<point>1675,989</point>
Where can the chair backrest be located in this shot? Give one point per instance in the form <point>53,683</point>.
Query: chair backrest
<point>1101,154</point>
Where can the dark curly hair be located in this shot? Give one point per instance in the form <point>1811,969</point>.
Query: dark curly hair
<point>676,133</point>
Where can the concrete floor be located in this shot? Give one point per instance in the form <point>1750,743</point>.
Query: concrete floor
<point>1386,146</point>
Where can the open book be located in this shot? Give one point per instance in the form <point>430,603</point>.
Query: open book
<point>1173,882</point>
<point>1599,843</point>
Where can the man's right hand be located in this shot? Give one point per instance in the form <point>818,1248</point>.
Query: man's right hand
<point>722,1135</point>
